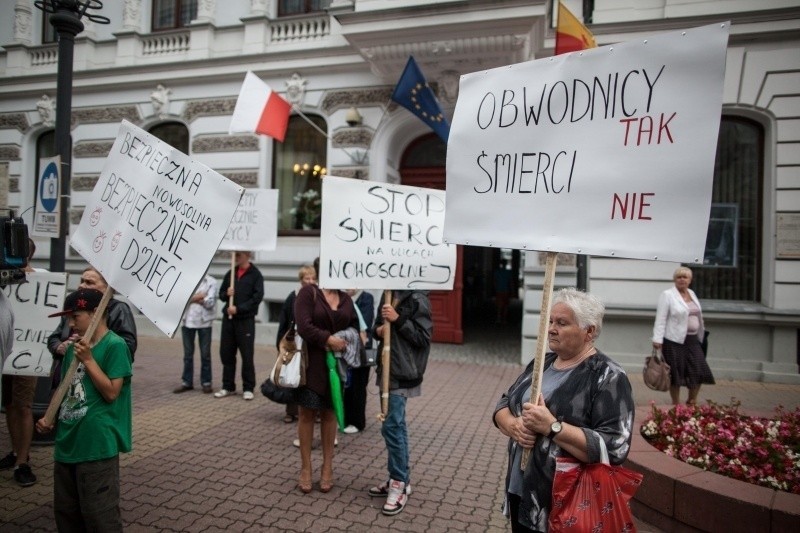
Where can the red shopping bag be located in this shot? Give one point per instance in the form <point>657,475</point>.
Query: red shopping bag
<point>592,497</point>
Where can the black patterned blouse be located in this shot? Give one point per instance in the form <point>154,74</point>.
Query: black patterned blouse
<point>596,397</point>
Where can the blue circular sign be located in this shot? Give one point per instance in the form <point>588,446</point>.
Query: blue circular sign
<point>48,188</point>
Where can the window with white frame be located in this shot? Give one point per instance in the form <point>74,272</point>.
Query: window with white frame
<point>173,14</point>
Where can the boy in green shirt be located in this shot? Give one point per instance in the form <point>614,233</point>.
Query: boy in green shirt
<point>94,423</point>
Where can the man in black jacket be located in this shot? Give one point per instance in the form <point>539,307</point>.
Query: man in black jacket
<point>242,299</point>
<point>412,327</point>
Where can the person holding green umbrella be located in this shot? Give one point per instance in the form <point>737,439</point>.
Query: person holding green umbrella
<point>319,314</point>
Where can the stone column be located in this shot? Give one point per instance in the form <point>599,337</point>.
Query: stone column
<point>131,18</point>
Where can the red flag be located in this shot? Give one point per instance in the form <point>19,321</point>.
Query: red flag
<point>571,34</point>
<point>259,109</point>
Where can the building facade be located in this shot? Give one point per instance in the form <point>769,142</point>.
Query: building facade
<point>174,68</point>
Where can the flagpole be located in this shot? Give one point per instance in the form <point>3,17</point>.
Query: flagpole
<point>324,133</point>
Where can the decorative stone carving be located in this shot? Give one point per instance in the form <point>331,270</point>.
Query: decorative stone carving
<point>561,259</point>
<point>84,182</point>
<point>160,100</point>
<point>334,100</point>
<point>361,137</point>
<point>92,148</point>
<point>9,152</point>
<point>206,10</point>
<point>448,85</point>
<point>14,120</point>
<point>13,184</point>
<point>247,180</point>
<point>208,108</point>
<point>75,215</point>
<point>258,7</point>
<point>296,89</point>
<point>105,114</point>
<point>130,15</point>
<point>47,110</point>
<point>22,22</point>
<point>359,173</point>
<point>225,143</point>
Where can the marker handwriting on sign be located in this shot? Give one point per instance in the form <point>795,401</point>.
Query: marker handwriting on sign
<point>523,173</point>
<point>153,159</point>
<point>646,125</point>
<point>46,294</point>
<point>572,101</point>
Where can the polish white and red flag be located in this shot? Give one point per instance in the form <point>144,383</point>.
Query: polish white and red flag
<point>259,109</point>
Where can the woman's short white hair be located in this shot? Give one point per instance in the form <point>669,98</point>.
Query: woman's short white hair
<point>588,309</point>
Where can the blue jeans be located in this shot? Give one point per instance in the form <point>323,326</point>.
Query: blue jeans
<point>204,339</point>
<point>395,434</point>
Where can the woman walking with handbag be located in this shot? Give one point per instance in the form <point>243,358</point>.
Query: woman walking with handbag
<point>678,332</point>
<point>319,314</point>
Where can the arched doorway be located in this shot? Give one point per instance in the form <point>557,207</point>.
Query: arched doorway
<point>472,302</point>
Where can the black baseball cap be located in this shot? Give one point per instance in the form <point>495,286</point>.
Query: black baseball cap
<point>80,300</point>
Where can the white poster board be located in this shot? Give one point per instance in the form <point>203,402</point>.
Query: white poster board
<point>42,295</point>
<point>383,236</point>
<point>154,222</point>
<point>47,209</point>
<point>606,152</point>
<point>254,226</point>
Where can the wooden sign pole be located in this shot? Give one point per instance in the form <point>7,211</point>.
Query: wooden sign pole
<point>66,381</point>
<point>541,342</point>
<point>386,361</point>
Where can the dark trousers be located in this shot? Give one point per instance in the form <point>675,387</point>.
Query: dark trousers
<point>238,335</point>
<point>86,496</point>
<point>355,398</point>
<point>513,510</point>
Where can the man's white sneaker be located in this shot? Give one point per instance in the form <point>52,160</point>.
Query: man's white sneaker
<point>381,491</point>
<point>222,393</point>
<point>350,430</point>
<point>396,499</point>
<point>247,395</point>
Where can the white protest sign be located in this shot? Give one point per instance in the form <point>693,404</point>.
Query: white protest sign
<point>607,152</point>
<point>32,302</point>
<point>154,222</point>
<point>47,209</point>
<point>254,226</point>
<point>383,236</point>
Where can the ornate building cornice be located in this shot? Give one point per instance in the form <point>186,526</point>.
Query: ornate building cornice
<point>208,108</point>
<point>84,182</point>
<point>89,115</point>
<point>357,137</point>
<point>14,120</point>
<point>247,179</point>
<point>224,143</point>
<point>92,148</point>
<point>9,152</point>
<point>374,96</point>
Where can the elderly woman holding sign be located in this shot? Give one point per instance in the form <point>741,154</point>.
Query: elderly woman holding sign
<point>586,405</point>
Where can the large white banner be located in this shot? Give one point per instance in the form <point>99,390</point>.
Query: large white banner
<point>383,236</point>
<point>607,152</point>
<point>42,295</point>
<point>254,226</point>
<point>154,222</point>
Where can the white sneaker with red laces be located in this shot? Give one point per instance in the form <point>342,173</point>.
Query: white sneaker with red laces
<point>396,499</point>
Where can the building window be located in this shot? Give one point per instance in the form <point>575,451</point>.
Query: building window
<point>174,134</point>
<point>301,7</point>
<point>732,264</point>
<point>48,31</point>
<point>173,14</point>
<point>299,165</point>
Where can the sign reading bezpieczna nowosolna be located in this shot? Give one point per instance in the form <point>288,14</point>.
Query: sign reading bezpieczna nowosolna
<point>609,151</point>
<point>153,223</point>
<point>383,236</point>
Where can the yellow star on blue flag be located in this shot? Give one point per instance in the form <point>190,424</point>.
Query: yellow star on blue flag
<point>414,93</point>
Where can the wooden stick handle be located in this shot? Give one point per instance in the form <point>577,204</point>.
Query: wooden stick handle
<point>66,381</point>
<point>386,361</point>
<point>541,341</point>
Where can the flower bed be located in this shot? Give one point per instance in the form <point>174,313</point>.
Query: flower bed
<point>717,438</point>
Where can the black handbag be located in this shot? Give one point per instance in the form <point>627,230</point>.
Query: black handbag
<point>277,394</point>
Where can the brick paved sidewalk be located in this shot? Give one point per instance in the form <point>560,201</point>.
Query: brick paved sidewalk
<point>201,463</point>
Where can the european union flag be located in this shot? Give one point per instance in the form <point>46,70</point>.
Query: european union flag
<point>414,93</point>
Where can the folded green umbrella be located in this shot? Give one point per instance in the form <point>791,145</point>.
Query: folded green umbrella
<point>336,389</point>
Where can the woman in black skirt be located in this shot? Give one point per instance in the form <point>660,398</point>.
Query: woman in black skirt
<point>679,332</point>
<point>319,314</point>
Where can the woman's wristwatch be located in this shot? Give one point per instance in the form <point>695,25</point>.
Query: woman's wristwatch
<point>555,429</point>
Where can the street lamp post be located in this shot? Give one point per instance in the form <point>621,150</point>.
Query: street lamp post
<point>65,16</point>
